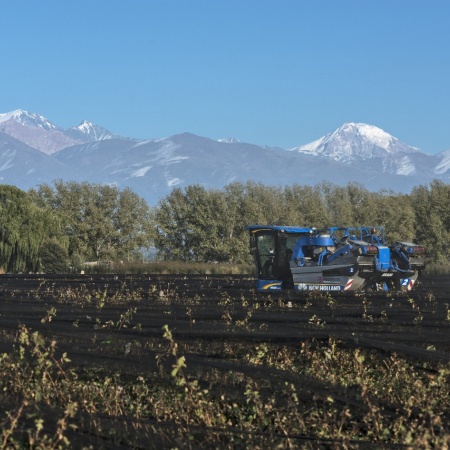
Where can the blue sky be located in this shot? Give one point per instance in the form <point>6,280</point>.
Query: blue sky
<point>279,73</point>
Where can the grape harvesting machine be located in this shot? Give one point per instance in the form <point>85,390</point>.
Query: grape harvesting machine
<point>333,259</point>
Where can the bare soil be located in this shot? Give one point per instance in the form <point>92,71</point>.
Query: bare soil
<point>115,324</point>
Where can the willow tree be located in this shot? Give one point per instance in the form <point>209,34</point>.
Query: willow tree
<point>24,228</point>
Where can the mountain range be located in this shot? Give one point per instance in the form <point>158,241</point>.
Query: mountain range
<point>34,151</point>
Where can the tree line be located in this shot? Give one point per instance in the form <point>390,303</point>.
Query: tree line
<point>209,225</point>
<point>53,228</point>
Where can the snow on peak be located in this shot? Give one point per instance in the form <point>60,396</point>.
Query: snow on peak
<point>355,140</point>
<point>16,114</point>
<point>444,164</point>
<point>85,126</point>
<point>32,120</point>
<point>230,140</point>
<point>85,132</point>
<point>90,131</point>
<point>358,135</point>
<point>369,132</point>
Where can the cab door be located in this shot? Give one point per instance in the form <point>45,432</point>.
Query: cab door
<point>263,246</point>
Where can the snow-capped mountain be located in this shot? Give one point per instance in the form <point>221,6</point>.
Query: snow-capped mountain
<point>27,119</point>
<point>89,132</point>
<point>38,132</point>
<point>35,131</point>
<point>161,164</point>
<point>356,143</point>
<point>34,151</point>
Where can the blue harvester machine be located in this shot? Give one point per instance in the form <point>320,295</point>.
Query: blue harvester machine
<point>332,259</point>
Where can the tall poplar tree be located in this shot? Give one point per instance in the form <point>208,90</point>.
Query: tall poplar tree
<point>100,221</point>
<point>432,218</point>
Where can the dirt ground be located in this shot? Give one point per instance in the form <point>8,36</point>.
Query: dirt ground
<point>194,306</point>
<point>107,321</point>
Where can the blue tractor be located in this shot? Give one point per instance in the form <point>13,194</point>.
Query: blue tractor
<point>332,259</point>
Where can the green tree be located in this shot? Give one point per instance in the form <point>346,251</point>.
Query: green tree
<point>100,221</point>
<point>173,234</point>
<point>54,257</point>
<point>240,212</point>
<point>264,204</point>
<point>338,205</point>
<point>432,218</point>
<point>24,227</point>
<point>209,234</point>
<point>364,206</point>
<point>133,224</point>
<point>196,224</point>
<point>396,214</point>
<point>305,206</point>
<point>192,225</point>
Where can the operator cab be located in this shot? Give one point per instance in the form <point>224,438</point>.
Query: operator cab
<point>272,248</point>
